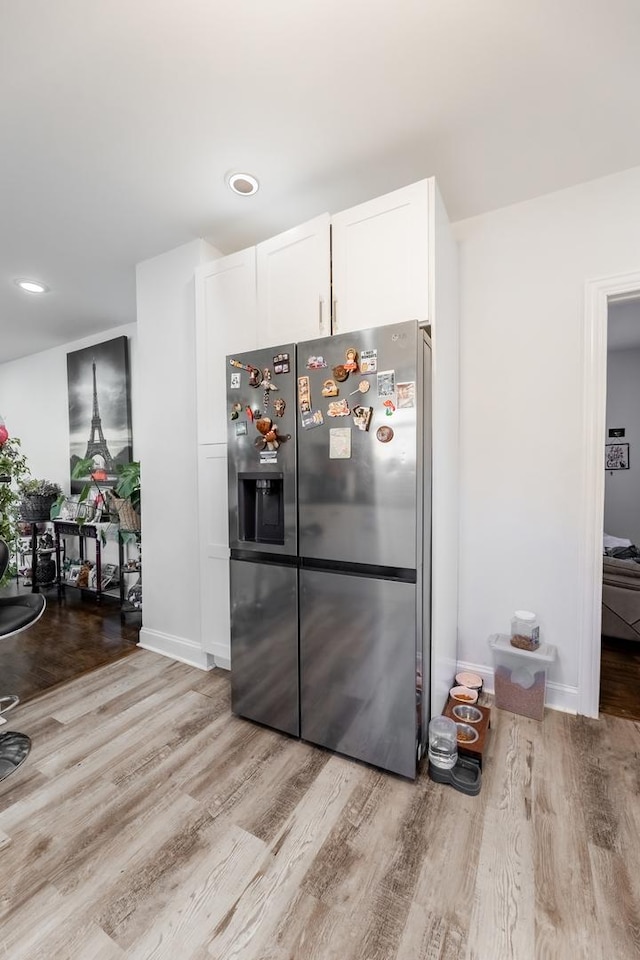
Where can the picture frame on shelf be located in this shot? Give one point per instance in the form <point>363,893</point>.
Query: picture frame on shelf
<point>109,575</point>
<point>73,574</point>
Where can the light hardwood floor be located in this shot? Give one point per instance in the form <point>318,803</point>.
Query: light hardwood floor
<point>150,823</point>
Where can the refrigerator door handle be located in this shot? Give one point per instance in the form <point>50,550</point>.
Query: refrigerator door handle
<point>334,313</point>
<point>320,312</point>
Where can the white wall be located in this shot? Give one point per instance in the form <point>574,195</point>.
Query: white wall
<point>523,271</point>
<point>34,403</point>
<point>168,452</point>
<point>622,487</point>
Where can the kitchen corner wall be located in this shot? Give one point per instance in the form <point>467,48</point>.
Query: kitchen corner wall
<point>523,273</point>
<point>166,447</point>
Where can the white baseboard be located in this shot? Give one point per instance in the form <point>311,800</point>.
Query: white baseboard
<point>558,696</point>
<point>176,647</point>
<point>223,660</point>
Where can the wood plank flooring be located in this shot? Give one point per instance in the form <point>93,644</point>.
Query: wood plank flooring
<point>73,637</point>
<point>149,823</point>
<point>620,678</point>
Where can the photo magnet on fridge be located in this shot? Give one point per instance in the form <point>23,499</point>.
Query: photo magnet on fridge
<point>235,381</point>
<point>386,383</point>
<point>406,395</point>
<point>368,361</point>
<point>340,443</point>
<point>281,363</point>
<point>311,419</point>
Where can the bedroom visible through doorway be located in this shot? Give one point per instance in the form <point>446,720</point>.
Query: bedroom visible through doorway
<point>620,650</point>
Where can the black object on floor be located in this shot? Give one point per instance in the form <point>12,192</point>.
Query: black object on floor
<point>14,750</point>
<point>466,776</point>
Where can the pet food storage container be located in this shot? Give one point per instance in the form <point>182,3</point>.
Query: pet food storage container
<point>520,676</point>
<point>524,627</point>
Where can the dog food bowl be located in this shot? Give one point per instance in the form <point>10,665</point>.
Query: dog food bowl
<point>466,713</point>
<point>466,734</point>
<point>463,694</point>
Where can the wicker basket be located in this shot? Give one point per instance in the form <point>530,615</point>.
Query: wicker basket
<point>127,516</point>
<point>36,507</point>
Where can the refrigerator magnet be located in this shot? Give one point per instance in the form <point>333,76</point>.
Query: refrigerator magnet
<point>406,395</point>
<point>304,395</point>
<point>384,434</point>
<point>386,383</point>
<point>340,443</point>
<point>279,406</point>
<point>338,408</point>
<point>316,363</point>
<point>311,419</point>
<point>389,406</point>
<point>362,417</point>
<point>329,388</point>
<point>340,374</point>
<point>351,360</point>
<point>368,361</point>
<point>241,428</point>
<point>255,377</point>
<point>363,387</point>
<point>235,381</point>
<point>281,363</point>
<point>268,456</point>
<point>235,410</point>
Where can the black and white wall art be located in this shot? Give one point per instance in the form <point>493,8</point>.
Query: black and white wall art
<point>100,408</point>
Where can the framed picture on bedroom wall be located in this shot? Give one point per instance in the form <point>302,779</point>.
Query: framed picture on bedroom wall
<point>616,456</point>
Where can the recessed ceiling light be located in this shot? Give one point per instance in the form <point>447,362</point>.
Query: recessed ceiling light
<point>243,183</point>
<point>31,286</point>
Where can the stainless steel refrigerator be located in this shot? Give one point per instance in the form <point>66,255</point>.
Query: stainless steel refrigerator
<point>330,622</point>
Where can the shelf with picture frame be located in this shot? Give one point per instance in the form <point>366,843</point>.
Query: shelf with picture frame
<point>84,568</point>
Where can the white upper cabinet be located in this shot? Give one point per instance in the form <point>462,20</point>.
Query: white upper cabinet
<point>382,259</point>
<point>225,323</point>
<point>294,278</point>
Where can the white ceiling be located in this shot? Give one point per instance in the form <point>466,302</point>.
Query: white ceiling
<point>120,118</point>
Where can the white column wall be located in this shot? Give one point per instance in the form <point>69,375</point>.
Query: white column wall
<point>523,273</point>
<point>167,450</point>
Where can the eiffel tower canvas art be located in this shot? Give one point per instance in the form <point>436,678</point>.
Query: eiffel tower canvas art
<point>99,408</point>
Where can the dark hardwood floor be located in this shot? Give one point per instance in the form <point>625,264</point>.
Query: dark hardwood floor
<point>620,678</point>
<point>73,637</point>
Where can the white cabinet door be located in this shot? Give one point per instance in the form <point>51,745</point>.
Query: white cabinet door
<point>225,322</point>
<point>214,552</point>
<point>294,284</point>
<point>381,254</point>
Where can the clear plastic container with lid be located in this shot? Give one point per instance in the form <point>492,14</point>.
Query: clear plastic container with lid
<point>524,625</point>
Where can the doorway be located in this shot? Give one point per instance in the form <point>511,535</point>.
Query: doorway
<point>600,297</point>
<point>620,649</point>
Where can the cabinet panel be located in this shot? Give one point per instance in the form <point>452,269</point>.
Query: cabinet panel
<point>225,322</point>
<point>214,552</point>
<point>293,279</point>
<point>381,260</point>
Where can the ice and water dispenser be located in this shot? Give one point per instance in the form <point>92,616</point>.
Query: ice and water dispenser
<point>261,507</point>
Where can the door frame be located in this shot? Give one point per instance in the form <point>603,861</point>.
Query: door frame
<point>598,295</point>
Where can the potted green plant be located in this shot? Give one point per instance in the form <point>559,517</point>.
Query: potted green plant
<point>127,490</point>
<point>37,498</point>
<point>13,471</point>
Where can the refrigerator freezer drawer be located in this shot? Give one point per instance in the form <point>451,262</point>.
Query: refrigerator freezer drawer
<point>264,644</point>
<point>358,667</point>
